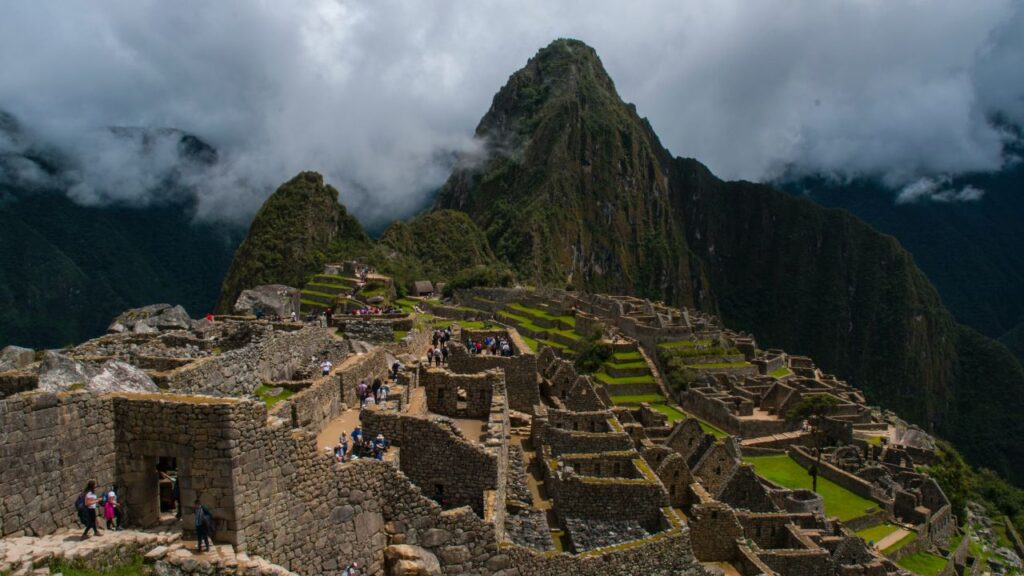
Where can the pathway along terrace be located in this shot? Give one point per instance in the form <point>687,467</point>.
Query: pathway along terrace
<point>514,464</point>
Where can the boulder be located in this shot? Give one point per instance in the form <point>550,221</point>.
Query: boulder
<point>150,319</point>
<point>407,560</point>
<point>15,358</point>
<point>274,299</point>
<point>59,373</point>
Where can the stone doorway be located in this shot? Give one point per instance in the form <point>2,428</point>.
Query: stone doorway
<point>151,488</point>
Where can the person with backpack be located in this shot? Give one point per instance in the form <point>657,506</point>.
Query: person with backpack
<point>86,508</point>
<point>204,525</point>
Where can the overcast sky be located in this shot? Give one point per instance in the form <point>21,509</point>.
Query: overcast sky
<point>377,94</point>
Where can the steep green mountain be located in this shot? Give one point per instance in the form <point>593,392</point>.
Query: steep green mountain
<point>302,226</point>
<point>577,188</point>
<point>67,269</point>
<point>972,251</point>
<point>435,245</point>
<point>290,238</point>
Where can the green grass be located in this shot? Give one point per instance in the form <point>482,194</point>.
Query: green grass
<point>923,563</point>
<point>472,324</point>
<point>785,472</point>
<point>901,543</point>
<point>669,411</point>
<point>399,334</point>
<point>522,322</point>
<point>637,398</point>
<point>530,342</point>
<point>686,344</point>
<point>877,533</point>
<point>405,304</point>
<point>538,313</point>
<point>133,569</point>
<point>263,393</point>
<point>627,356</point>
<point>780,373</point>
<point>607,379</point>
<point>875,440</point>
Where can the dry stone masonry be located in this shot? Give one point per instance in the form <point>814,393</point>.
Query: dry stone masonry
<point>509,465</point>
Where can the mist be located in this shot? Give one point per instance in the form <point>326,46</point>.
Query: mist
<point>381,96</point>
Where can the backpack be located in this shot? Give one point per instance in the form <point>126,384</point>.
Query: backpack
<point>80,508</point>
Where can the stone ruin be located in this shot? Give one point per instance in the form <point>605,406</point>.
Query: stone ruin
<point>498,465</point>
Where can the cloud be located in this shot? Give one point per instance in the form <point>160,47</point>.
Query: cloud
<point>937,190</point>
<point>380,95</point>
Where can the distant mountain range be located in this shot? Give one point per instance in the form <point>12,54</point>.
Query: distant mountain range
<point>67,269</point>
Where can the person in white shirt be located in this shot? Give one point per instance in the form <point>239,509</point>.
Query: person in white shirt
<point>325,367</point>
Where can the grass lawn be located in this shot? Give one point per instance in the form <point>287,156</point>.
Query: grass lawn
<point>669,411</point>
<point>686,344</point>
<point>405,304</point>
<point>522,322</point>
<point>530,342</point>
<point>627,357</point>
<point>876,533</point>
<point>264,393</point>
<point>780,373</point>
<point>923,563</point>
<point>133,569</point>
<point>399,334</point>
<point>607,379</point>
<point>901,543</point>
<point>637,398</point>
<point>785,472</point>
<point>538,313</point>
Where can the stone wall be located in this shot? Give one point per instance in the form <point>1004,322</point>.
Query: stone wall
<point>587,497</point>
<point>520,369</point>
<point>373,364</point>
<point>442,389</point>
<point>435,454</point>
<point>272,355</point>
<point>17,381</point>
<point>199,432</point>
<point>52,444</point>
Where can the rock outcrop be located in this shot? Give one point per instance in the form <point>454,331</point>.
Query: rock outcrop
<point>274,299</point>
<point>150,319</point>
<point>60,373</point>
<point>15,357</point>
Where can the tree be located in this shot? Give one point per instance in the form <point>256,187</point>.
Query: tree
<point>814,409</point>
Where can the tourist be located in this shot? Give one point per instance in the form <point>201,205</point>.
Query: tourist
<point>444,353</point>
<point>385,390</point>
<point>86,505</point>
<point>395,368</point>
<point>370,402</point>
<point>430,356</point>
<point>437,358</point>
<point>203,524</point>
<point>325,367</point>
<point>330,316</point>
<point>295,316</point>
<point>376,390</point>
<point>361,392</point>
<point>380,445</point>
<point>357,436</point>
<point>351,570</point>
<point>111,512</point>
<point>209,317</point>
